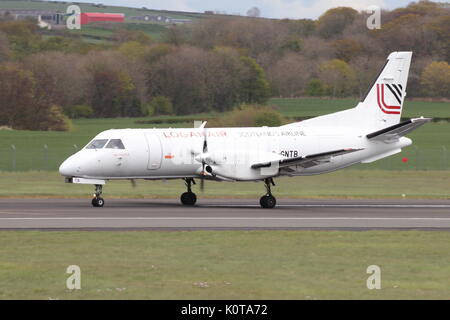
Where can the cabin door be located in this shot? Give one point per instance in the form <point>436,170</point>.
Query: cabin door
<point>154,151</point>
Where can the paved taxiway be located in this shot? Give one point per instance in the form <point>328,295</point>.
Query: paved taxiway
<point>138,214</point>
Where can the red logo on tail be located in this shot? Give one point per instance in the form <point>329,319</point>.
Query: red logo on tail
<point>396,91</point>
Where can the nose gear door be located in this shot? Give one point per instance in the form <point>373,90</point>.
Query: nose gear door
<point>154,152</point>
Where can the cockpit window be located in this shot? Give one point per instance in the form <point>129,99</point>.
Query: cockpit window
<point>97,144</point>
<point>115,144</point>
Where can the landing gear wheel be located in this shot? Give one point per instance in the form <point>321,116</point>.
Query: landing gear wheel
<point>98,202</point>
<point>188,198</point>
<point>268,201</point>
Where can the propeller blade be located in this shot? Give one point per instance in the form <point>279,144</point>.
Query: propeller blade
<point>133,183</point>
<point>205,150</point>
<point>205,145</point>
<point>205,140</point>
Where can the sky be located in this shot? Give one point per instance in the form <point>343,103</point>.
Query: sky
<point>294,9</point>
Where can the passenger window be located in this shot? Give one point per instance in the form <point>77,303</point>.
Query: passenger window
<point>97,144</point>
<point>115,144</point>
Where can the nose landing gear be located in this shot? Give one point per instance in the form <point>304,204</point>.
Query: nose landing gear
<point>188,198</point>
<point>268,201</point>
<point>98,201</point>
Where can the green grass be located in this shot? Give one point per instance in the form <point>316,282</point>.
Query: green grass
<point>430,151</point>
<point>311,107</point>
<point>225,265</point>
<point>340,184</point>
<point>30,152</point>
<point>431,143</point>
<point>94,31</point>
<point>155,31</point>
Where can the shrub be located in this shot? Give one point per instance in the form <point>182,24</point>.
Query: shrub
<point>435,79</point>
<point>249,116</point>
<point>269,118</point>
<point>79,111</point>
<point>160,105</point>
<point>315,88</point>
<point>55,120</point>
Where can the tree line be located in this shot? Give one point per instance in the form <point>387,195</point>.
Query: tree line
<point>214,64</point>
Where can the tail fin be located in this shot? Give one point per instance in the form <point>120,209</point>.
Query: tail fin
<point>382,105</point>
<point>383,102</point>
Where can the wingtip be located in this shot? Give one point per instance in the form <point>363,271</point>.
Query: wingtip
<point>421,119</point>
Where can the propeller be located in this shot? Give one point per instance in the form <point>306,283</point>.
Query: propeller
<point>203,157</point>
<point>133,183</point>
<point>204,151</point>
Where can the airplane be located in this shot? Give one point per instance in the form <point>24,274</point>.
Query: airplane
<point>366,133</point>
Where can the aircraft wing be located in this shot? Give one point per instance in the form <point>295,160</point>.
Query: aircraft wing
<point>305,161</point>
<point>397,131</point>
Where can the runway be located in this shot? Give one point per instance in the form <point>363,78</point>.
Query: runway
<point>139,214</point>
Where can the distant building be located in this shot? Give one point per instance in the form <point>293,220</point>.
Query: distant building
<point>51,17</point>
<point>161,19</point>
<point>88,17</point>
<point>152,18</point>
<point>180,21</point>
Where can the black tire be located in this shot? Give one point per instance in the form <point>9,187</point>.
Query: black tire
<point>188,198</point>
<point>268,202</point>
<point>98,202</point>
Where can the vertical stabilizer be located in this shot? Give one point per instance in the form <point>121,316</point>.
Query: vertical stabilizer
<point>381,106</point>
<point>383,103</point>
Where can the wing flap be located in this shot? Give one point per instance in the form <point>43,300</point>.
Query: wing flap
<point>397,131</point>
<point>305,161</point>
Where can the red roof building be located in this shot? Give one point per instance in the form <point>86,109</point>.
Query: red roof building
<point>88,17</point>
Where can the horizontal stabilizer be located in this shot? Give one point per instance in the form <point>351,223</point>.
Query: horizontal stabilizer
<point>397,131</point>
<point>305,161</point>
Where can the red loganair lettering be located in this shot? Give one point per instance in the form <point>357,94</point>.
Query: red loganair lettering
<point>183,134</point>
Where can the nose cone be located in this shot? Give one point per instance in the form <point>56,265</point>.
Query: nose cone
<point>68,168</point>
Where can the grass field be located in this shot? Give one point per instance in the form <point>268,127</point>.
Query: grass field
<point>155,31</point>
<point>225,265</point>
<point>340,184</point>
<point>30,152</point>
<point>311,107</point>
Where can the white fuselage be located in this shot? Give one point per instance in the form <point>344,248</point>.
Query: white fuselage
<point>177,153</point>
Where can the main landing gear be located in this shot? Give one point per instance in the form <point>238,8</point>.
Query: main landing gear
<point>188,198</point>
<point>268,201</point>
<point>98,201</point>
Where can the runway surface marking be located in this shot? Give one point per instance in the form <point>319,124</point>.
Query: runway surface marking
<point>226,218</point>
<point>137,214</point>
<point>337,206</point>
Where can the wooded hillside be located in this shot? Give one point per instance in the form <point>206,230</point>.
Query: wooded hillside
<point>213,64</point>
